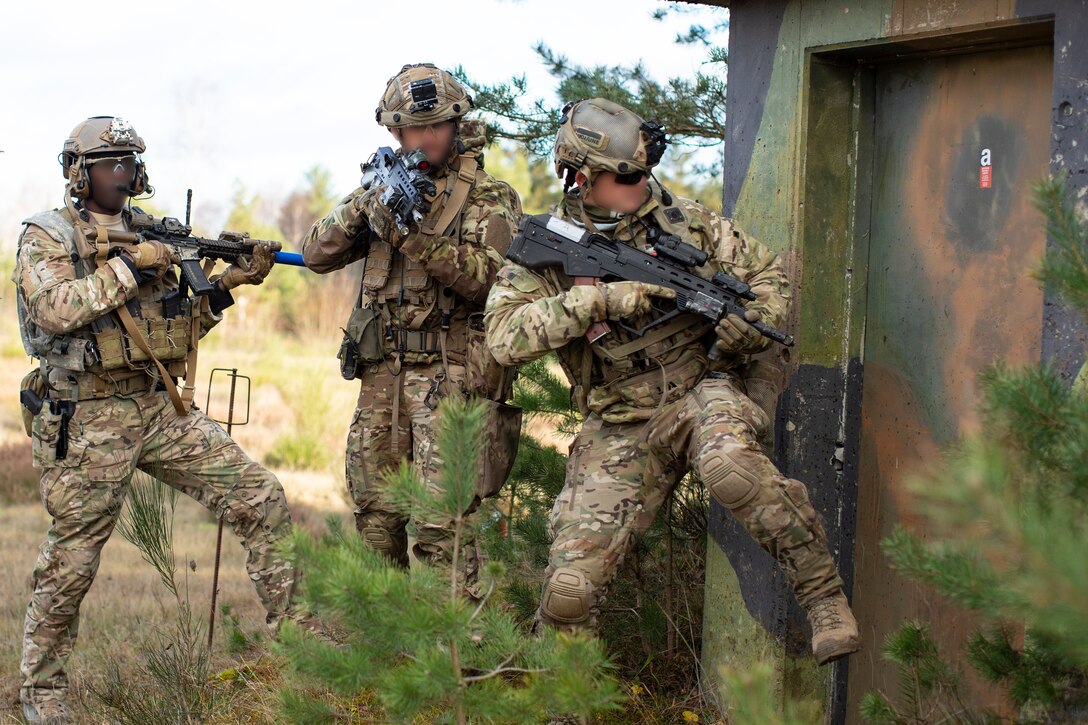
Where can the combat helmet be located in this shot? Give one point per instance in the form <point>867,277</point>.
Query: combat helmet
<point>596,135</point>
<point>100,136</point>
<point>422,94</point>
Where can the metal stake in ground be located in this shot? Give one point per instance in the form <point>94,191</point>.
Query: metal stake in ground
<point>229,422</point>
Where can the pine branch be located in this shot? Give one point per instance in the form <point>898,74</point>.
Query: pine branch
<point>413,639</point>
<point>1065,266</point>
<point>693,110</point>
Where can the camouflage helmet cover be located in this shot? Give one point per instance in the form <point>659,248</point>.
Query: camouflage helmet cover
<point>599,135</point>
<point>420,95</point>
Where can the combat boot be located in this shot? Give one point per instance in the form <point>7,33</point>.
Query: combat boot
<point>46,711</point>
<point>834,629</point>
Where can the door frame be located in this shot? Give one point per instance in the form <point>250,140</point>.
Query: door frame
<point>821,410</point>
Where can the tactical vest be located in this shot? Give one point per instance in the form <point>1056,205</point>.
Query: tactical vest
<point>407,296</point>
<point>625,377</point>
<point>103,359</point>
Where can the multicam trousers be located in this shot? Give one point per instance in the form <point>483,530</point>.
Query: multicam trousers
<point>620,474</point>
<point>390,425</point>
<point>108,440</point>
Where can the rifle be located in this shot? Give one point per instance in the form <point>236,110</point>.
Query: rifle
<point>546,241</point>
<point>229,246</point>
<point>406,184</point>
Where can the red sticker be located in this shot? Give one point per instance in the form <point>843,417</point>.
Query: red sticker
<point>985,171</point>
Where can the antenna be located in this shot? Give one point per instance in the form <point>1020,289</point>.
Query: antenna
<point>188,205</point>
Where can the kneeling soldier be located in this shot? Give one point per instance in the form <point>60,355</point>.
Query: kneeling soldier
<point>656,405</point>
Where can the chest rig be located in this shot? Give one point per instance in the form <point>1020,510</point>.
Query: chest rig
<point>148,341</point>
<point>623,376</point>
<point>423,320</point>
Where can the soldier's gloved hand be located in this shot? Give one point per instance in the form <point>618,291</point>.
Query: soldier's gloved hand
<point>628,299</point>
<point>472,134</point>
<point>382,221</point>
<point>735,334</point>
<point>151,258</point>
<point>249,270</point>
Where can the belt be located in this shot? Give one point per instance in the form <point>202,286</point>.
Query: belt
<point>92,387</point>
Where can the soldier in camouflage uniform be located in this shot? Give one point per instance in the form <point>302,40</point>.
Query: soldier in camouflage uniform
<point>112,407</point>
<point>427,290</point>
<point>656,406</point>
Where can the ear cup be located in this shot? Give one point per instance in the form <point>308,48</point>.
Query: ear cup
<point>139,181</point>
<point>79,184</point>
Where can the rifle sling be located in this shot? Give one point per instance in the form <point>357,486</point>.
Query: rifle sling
<point>455,202</point>
<point>182,401</point>
<point>681,322</point>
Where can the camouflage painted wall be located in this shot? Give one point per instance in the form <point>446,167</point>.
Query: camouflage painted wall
<point>808,172</point>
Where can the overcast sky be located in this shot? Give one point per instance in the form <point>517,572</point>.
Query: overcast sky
<point>232,91</point>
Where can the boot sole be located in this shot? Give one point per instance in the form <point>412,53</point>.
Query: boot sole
<point>837,650</point>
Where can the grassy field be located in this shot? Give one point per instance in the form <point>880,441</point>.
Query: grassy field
<point>299,413</point>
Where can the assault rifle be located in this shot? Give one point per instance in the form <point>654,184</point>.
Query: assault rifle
<point>191,250</point>
<point>546,241</point>
<point>406,184</point>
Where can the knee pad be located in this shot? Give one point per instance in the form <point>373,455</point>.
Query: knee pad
<point>566,598</point>
<point>729,478</point>
<point>383,541</point>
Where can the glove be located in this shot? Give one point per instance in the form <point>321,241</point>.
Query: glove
<point>629,299</point>
<point>382,221</point>
<point>735,334</point>
<point>249,270</point>
<point>151,258</point>
<point>472,134</point>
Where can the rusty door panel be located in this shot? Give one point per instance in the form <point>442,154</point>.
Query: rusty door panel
<point>949,293</point>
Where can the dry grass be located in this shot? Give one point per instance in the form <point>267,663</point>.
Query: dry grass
<point>127,599</point>
<point>18,478</point>
<point>291,380</point>
<point>297,394</point>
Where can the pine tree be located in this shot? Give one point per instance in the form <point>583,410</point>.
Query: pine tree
<point>412,639</point>
<point>691,108</point>
<point>651,625</point>
<point>1008,517</point>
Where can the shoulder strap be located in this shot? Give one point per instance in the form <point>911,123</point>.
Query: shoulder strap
<point>362,276</point>
<point>183,400</point>
<point>654,336</point>
<point>55,223</point>
<point>455,202</point>
<point>671,219</point>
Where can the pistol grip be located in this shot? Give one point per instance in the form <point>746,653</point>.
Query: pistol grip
<point>30,400</point>
<point>598,329</point>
